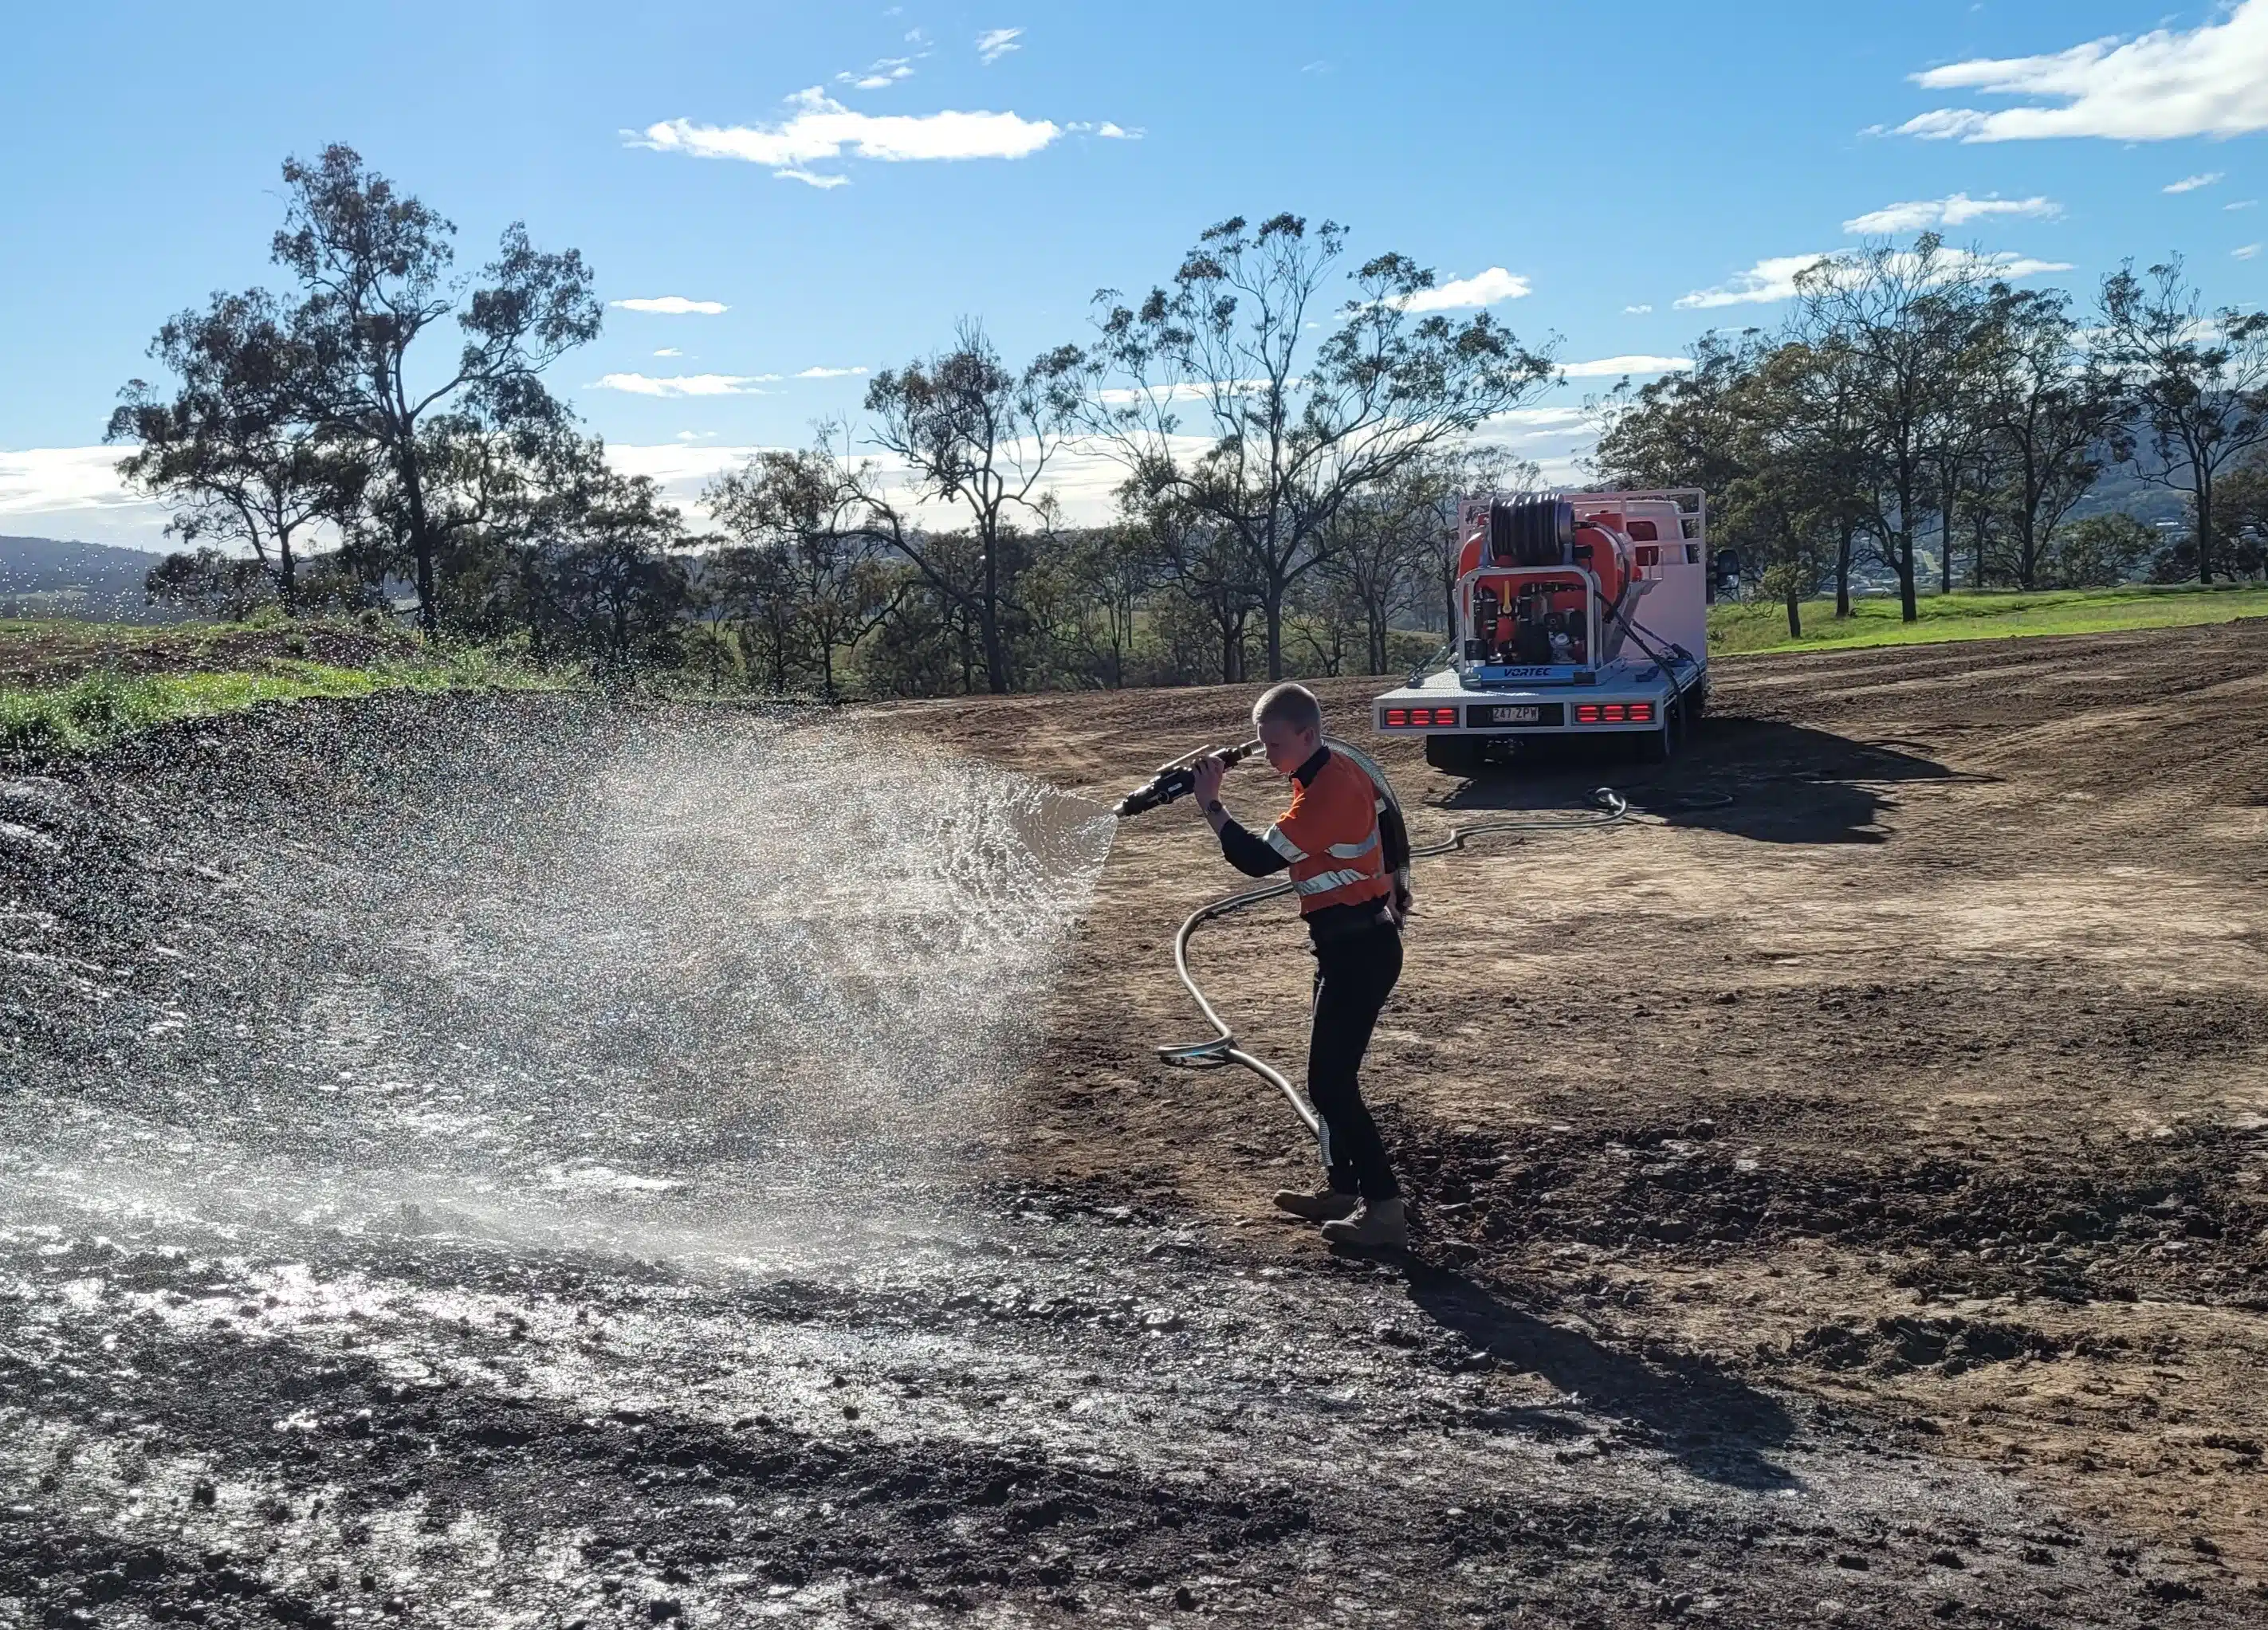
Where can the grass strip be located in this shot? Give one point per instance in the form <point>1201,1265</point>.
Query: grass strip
<point>101,707</point>
<point>1982,614</point>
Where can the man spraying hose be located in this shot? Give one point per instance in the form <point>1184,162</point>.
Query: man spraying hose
<point>1343,840</point>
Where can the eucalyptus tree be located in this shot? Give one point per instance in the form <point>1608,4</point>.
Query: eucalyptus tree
<point>2050,409</point>
<point>2196,382</point>
<point>1790,503</point>
<point>375,268</point>
<point>627,570</point>
<point>1222,406</point>
<point>809,513</point>
<point>227,447</point>
<point>1462,472</point>
<point>2240,507</point>
<point>1899,321</point>
<point>1384,548</point>
<point>751,590</point>
<point>974,434</point>
<point>1684,428</point>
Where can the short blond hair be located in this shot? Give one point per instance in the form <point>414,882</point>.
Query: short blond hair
<point>1295,705</point>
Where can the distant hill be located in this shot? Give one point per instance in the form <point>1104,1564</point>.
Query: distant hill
<point>60,578</point>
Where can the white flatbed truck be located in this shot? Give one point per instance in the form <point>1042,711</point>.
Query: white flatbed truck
<point>1577,614</point>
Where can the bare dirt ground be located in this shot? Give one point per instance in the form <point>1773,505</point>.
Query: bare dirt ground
<point>1839,1199</point>
<point>1927,1078</point>
<point>56,653</point>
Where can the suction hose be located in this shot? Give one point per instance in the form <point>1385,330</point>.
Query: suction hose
<point>1613,809</point>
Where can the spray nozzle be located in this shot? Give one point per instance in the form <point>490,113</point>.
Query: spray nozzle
<point>1178,779</point>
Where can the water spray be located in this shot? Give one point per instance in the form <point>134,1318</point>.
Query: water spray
<point>1177,778</point>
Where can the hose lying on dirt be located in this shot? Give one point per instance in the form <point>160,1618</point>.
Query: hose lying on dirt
<point>1613,810</point>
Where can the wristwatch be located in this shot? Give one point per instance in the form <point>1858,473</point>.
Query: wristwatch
<point>1214,808</point>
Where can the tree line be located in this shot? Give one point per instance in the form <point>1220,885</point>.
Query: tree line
<point>1913,404</point>
<point>1284,458</point>
<point>1281,460</point>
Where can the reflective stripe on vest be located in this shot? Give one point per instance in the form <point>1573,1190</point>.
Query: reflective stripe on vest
<point>1341,804</point>
<point>1330,880</point>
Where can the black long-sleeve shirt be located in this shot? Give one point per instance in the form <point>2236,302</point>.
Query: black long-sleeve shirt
<point>1250,855</point>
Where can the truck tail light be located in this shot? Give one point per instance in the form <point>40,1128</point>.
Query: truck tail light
<point>1613,713</point>
<point>1398,718</point>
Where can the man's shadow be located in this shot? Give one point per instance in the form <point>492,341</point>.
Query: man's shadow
<point>1716,1426</point>
<point>1753,778</point>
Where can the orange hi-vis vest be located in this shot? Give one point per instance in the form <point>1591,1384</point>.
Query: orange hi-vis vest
<point>1330,834</point>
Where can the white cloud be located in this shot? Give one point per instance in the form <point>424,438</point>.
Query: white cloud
<point>2248,252</point>
<point>2243,204</point>
<point>682,467</point>
<point>1461,293</point>
<point>670,350</point>
<point>2191,183</point>
<point>1774,279</point>
<point>674,306</point>
<point>830,373</point>
<point>1119,133</point>
<point>1539,432</point>
<point>1542,418</point>
<point>1636,311</point>
<point>995,43</point>
<point>697,435</point>
<point>824,183</point>
<point>881,76</point>
<point>1768,280</point>
<point>821,128</point>
<point>2210,80</point>
<point>41,480</point>
<point>1615,367</point>
<point>686,383</point>
<point>1957,211</point>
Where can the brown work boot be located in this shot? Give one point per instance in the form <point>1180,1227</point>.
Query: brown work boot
<point>1381,1225</point>
<point>1324,1205</point>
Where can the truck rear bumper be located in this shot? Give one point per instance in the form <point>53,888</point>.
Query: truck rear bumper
<point>1437,709</point>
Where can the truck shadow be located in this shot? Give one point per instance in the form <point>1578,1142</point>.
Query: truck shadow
<point>1717,1427</point>
<point>1753,778</point>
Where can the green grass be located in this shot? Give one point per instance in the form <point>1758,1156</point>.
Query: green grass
<point>1985,614</point>
<point>101,707</point>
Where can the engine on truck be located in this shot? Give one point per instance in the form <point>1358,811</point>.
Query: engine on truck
<point>1538,625</point>
<point>1537,571</point>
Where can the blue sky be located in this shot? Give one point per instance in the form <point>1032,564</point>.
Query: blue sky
<point>1613,174</point>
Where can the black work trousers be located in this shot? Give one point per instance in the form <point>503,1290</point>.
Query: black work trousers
<point>1354,975</point>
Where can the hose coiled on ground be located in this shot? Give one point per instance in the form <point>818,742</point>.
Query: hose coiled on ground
<point>1613,809</point>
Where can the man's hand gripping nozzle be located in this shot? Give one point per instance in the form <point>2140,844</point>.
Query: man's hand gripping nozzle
<point>1179,778</point>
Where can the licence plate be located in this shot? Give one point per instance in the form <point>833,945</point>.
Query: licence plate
<point>1515,716</point>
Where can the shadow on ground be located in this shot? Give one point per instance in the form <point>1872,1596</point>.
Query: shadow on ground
<point>1751,778</point>
<point>1715,1426</point>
